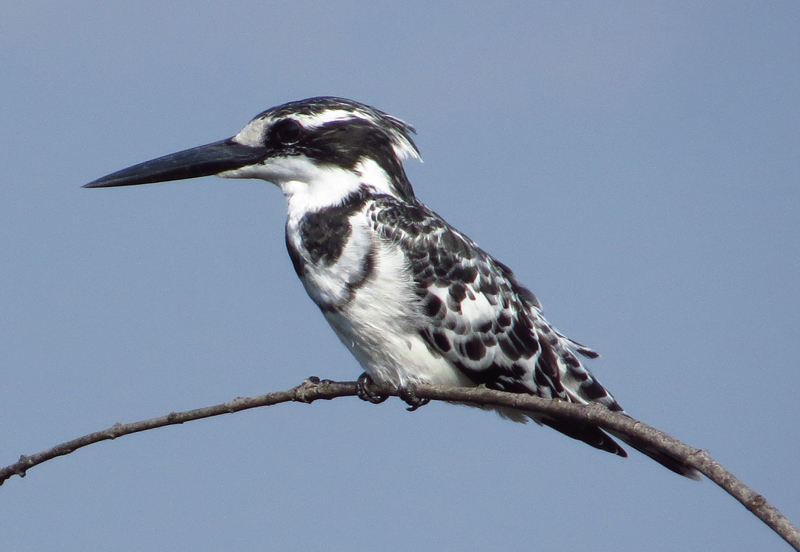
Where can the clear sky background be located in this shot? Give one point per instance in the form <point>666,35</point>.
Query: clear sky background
<point>636,164</point>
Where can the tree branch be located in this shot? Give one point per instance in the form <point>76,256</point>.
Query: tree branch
<point>315,389</point>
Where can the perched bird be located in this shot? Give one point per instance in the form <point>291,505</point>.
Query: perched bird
<point>415,300</point>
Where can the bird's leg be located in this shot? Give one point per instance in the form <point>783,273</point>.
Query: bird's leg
<point>365,393</point>
<point>409,395</point>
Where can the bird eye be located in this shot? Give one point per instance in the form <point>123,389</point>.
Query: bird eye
<point>287,131</point>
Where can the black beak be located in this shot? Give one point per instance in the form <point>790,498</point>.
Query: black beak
<point>225,155</point>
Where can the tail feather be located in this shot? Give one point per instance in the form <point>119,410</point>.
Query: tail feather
<point>589,434</point>
<point>600,439</point>
<point>582,387</point>
<point>663,458</point>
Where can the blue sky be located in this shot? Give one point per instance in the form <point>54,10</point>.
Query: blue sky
<point>636,164</point>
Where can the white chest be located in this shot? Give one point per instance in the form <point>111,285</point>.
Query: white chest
<point>368,296</point>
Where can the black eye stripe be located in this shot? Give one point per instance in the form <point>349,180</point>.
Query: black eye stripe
<point>287,131</point>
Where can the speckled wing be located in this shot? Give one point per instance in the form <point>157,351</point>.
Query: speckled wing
<point>484,322</point>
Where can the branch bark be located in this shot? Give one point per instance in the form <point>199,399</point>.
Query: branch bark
<point>314,389</point>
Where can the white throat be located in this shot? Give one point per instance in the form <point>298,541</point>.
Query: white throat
<point>310,187</point>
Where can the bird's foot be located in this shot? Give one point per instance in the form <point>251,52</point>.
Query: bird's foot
<point>409,395</point>
<point>365,393</point>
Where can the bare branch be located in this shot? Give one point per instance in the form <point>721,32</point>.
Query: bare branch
<point>315,389</point>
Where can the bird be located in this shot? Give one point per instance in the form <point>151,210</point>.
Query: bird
<point>412,298</point>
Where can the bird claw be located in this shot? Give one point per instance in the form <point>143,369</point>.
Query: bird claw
<point>409,395</point>
<point>365,393</point>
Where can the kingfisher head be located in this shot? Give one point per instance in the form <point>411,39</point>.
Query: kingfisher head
<point>318,151</point>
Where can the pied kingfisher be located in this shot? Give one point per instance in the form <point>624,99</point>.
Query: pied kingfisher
<point>414,300</point>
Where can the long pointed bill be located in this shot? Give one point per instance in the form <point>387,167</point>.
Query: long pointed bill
<point>225,155</point>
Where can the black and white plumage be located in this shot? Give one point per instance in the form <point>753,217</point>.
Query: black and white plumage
<point>412,298</point>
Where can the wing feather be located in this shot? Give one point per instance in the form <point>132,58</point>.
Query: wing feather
<point>481,319</point>
<point>490,327</point>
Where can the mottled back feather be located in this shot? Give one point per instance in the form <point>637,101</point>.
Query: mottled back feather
<point>481,319</point>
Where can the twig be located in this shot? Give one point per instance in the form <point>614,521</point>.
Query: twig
<point>315,389</point>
